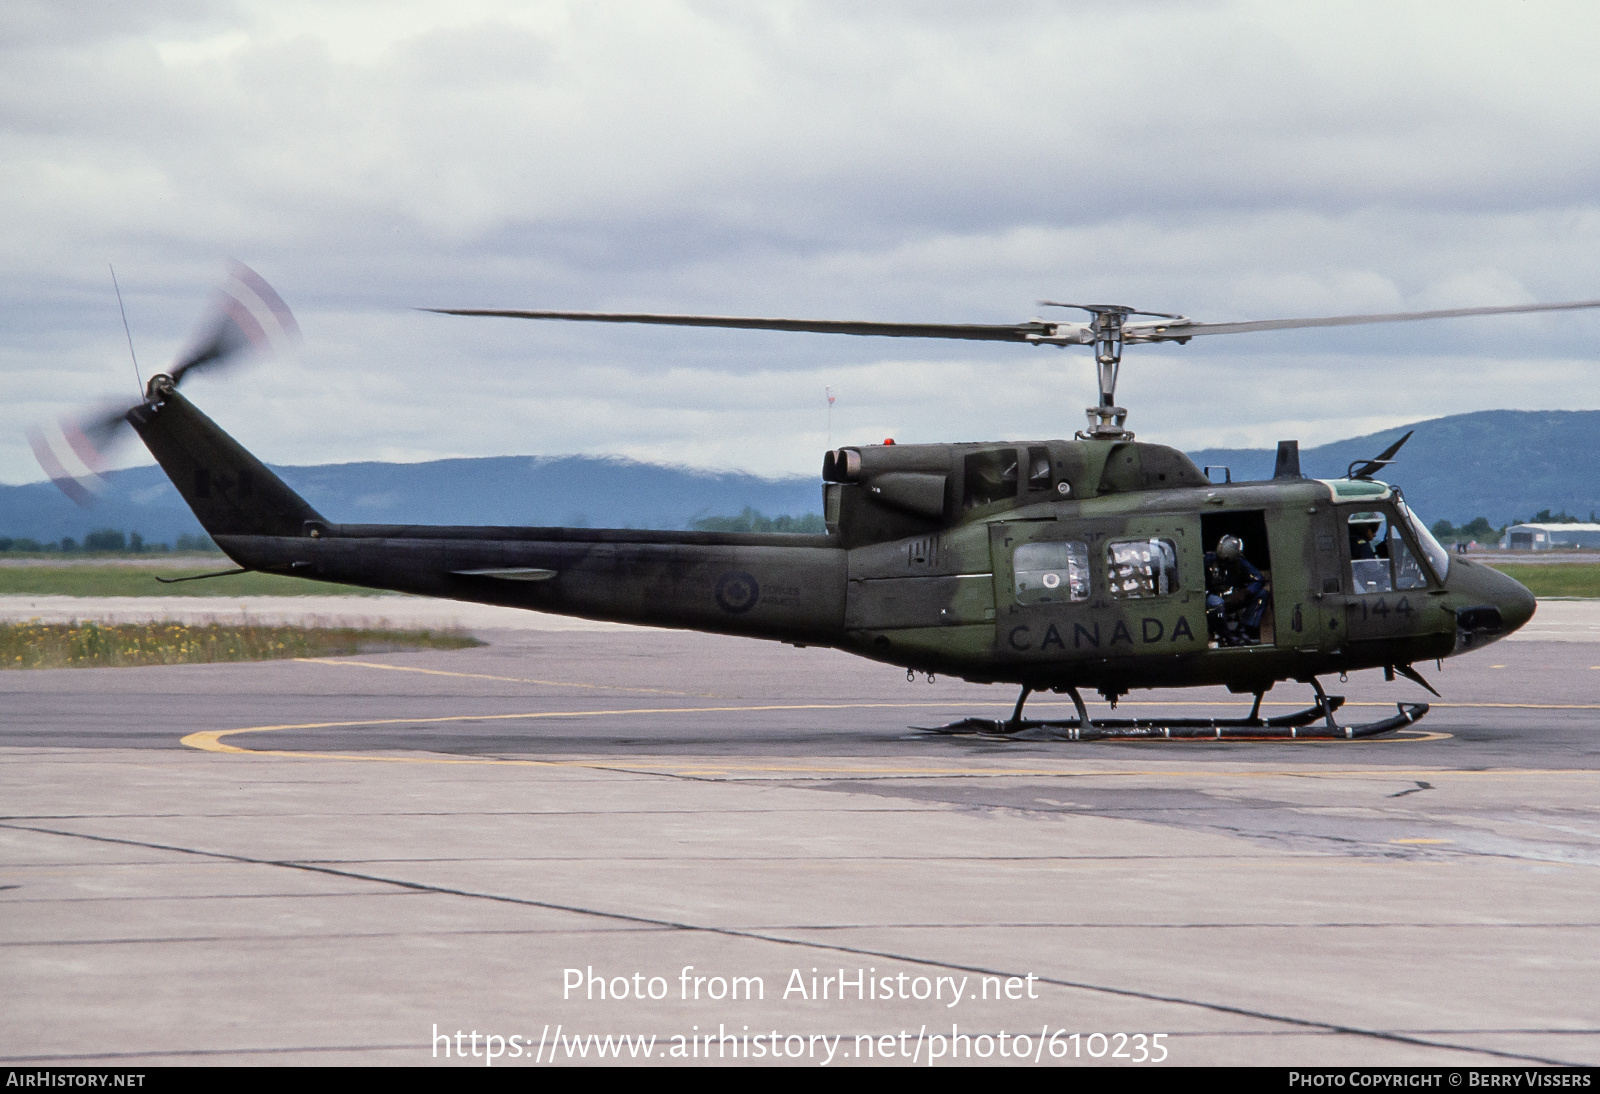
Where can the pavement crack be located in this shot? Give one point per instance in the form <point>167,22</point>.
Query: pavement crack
<point>1412,790</point>
<point>730,932</point>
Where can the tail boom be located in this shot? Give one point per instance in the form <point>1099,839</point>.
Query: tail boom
<point>787,587</point>
<point>784,587</point>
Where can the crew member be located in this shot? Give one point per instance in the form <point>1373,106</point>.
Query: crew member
<point>1362,537</point>
<point>1235,595</point>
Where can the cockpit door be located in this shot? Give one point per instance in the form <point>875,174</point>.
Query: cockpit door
<point>1388,589</point>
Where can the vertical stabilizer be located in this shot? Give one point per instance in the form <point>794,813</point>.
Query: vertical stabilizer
<point>232,492</point>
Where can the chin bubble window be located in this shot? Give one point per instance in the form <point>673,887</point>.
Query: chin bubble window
<point>1051,573</point>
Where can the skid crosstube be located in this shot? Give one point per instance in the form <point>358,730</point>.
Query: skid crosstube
<point>1297,726</point>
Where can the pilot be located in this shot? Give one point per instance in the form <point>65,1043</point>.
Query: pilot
<point>1235,595</point>
<point>1362,535</point>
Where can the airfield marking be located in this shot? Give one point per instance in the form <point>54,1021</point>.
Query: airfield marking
<point>486,676</point>
<point>847,706</point>
<point>778,936</point>
<point>212,741</point>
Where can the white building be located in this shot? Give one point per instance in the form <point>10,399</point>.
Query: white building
<point>1542,537</point>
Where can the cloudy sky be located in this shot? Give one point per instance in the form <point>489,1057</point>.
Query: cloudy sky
<point>896,161</point>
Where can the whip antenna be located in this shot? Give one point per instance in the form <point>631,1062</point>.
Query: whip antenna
<point>125,329</point>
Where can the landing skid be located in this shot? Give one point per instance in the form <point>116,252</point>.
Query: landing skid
<point>1284,727</point>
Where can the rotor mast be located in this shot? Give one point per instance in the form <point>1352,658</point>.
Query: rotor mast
<point>1106,331</point>
<point>1106,419</point>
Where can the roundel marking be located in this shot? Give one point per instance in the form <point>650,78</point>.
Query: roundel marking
<point>737,592</point>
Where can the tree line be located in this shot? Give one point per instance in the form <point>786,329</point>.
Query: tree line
<point>109,541</point>
<point>1480,530</point>
<point>753,520</point>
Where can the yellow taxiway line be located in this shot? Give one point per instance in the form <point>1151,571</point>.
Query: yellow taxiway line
<point>1036,703</point>
<point>213,740</point>
<point>486,676</point>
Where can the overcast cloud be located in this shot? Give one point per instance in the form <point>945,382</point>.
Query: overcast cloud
<point>934,162</point>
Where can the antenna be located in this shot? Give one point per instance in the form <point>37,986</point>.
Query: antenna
<point>125,329</point>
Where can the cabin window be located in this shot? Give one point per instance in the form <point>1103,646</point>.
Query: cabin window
<point>1038,468</point>
<point>990,477</point>
<point>1051,573</point>
<point>1142,567</point>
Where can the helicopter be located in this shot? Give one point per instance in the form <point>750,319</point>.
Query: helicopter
<point>1097,562</point>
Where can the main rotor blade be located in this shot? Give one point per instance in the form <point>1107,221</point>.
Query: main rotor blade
<point>1012,332</point>
<point>1157,332</point>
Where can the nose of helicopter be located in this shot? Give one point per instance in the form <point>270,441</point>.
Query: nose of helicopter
<point>1515,602</point>
<point>1489,605</point>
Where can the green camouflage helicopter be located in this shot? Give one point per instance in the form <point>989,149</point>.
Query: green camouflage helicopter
<point>1098,562</point>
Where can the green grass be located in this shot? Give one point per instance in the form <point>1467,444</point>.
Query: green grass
<point>91,580</point>
<point>127,645</point>
<point>1556,578</point>
<point>87,579</point>
<point>150,554</point>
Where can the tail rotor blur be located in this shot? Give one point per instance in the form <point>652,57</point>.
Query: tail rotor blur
<point>246,314</point>
<point>73,461</point>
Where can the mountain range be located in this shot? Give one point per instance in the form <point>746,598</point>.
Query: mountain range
<point>1499,464</point>
<point>575,491</point>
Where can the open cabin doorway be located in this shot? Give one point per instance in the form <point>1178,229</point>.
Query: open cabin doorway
<point>1243,619</point>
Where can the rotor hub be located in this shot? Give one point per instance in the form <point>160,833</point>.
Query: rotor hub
<point>1105,424</point>
<point>1106,420</point>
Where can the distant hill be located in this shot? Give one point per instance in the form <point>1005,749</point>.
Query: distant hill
<point>1500,464</point>
<point>597,492</point>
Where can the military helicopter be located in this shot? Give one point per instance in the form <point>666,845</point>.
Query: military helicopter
<point>1100,562</point>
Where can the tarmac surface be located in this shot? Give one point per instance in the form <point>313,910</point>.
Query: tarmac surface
<point>343,860</point>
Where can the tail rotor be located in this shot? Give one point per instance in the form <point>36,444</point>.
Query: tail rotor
<point>246,315</point>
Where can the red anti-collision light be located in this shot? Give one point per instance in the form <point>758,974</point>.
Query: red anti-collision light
<point>888,440</point>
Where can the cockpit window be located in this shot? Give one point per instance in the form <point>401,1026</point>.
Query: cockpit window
<point>990,476</point>
<point>1380,561</point>
<point>1407,574</point>
<point>1437,556</point>
<point>1369,553</point>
